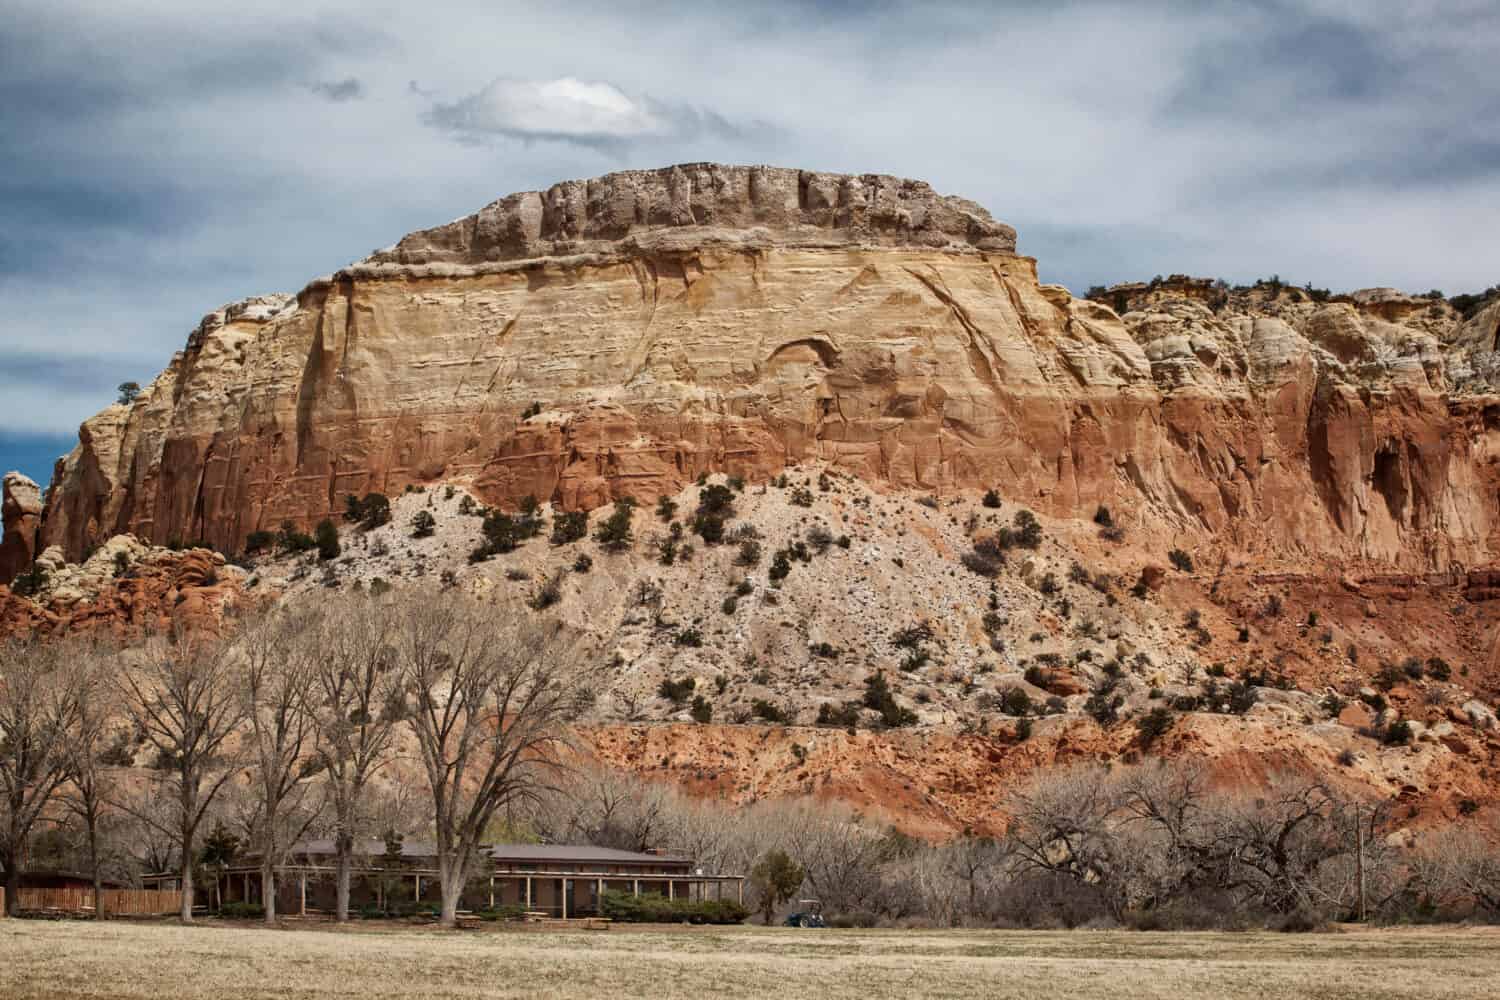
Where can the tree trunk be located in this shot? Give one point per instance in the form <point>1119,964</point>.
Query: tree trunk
<point>187,883</point>
<point>12,886</point>
<point>341,907</point>
<point>94,870</point>
<point>268,889</point>
<point>451,882</point>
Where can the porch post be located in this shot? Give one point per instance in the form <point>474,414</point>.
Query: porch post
<point>599,900</point>
<point>418,897</point>
<point>564,883</point>
<point>492,892</point>
<point>302,890</point>
<point>671,889</point>
<point>741,884</point>
<point>635,887</point>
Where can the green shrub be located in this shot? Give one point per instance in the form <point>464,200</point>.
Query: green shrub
<point>423,524</point>
<point>1181,560</point>
<point>370,512</point>
<point>879,697</point>
<point>242,911</point>
<point>624,908</point>
<point>1155,724</point>
<point>1015,701</point>
<point>259,541</point>
<point>327,538</point>
<point>769,712</point>
<point>614,533</point>
<point>991,499</point>
<point>570,527</point>
<point>677,691</point>
<point>513,911</point>
<point>689,637</point>
<point>702,711</point>
<point>845,715</point>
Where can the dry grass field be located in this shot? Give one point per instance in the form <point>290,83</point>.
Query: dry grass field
<point>121,960</point>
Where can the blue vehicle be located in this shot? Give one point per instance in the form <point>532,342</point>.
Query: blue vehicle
<point>809,915</point>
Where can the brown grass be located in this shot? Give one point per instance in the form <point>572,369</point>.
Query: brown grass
<point>214,962</point>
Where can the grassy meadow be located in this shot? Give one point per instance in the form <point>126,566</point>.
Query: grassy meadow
<point>213,961</point>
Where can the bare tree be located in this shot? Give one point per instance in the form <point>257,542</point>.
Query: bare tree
<point>604,807</point>
<point>38,716</point>
<point>489,697</point>
<point>1061,825</point>
<point>355,704</point>
<point>278,674</point>
<point>185,696</point>
<point>1459,871</point>
<point>93,759</point>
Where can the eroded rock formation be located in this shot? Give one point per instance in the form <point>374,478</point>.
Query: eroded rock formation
<point>620,336</point>
<point>21,516</point>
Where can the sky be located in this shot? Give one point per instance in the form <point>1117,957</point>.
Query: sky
<point>161,159</point>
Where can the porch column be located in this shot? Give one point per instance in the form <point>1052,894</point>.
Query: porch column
<point>418,897</point>
<point>564,883</point>
<point>492,892</point>
<point>671,889</point>
<point>599,900</point>
<point>741,885</point>
<point>528,892</point>
<point>635,887</point>
<point>302,891</point>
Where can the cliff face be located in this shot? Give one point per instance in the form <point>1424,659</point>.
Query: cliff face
<point>20,516</point>
<point>620,336</point>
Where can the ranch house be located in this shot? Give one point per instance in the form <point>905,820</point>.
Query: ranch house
<point>553,880</point>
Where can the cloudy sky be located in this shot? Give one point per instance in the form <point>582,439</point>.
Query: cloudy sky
<point>160,159</point>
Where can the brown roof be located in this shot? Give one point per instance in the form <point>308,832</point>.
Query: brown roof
<point>517,853</point>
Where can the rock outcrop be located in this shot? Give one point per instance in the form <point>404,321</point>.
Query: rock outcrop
<point>620,336</point>
<point>21,515</point>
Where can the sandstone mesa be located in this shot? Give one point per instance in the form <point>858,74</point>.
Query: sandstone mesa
<point>744,319</point>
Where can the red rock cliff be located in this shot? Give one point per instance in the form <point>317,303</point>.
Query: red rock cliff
<point>621,335</point>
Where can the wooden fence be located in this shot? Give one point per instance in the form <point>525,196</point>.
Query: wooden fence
<point>118,902</point>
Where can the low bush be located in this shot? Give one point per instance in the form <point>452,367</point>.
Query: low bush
<point>570,527</point>
<point>653,909</point>
<point>1181,560</point>
<point>242,911</point>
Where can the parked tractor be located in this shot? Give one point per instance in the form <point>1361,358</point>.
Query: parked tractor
<point>809,914</point>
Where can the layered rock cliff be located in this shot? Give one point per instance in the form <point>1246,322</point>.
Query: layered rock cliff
<point>20,523</point>
<point>620,336</point>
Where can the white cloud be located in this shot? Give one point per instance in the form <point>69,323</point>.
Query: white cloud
<point>562,108</point>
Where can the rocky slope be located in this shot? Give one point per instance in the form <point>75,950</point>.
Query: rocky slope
<point>865,358</point>
<point>620,336</point>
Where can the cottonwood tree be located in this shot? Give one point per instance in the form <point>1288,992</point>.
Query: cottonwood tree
<point>606,808</point>
<point>94,758</point>
<point>1062,826</point>
<point>354,700</point>
<point>38,716</point>
<point>489,693</point>
<point>185,696</point>
<point>277,675</point>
